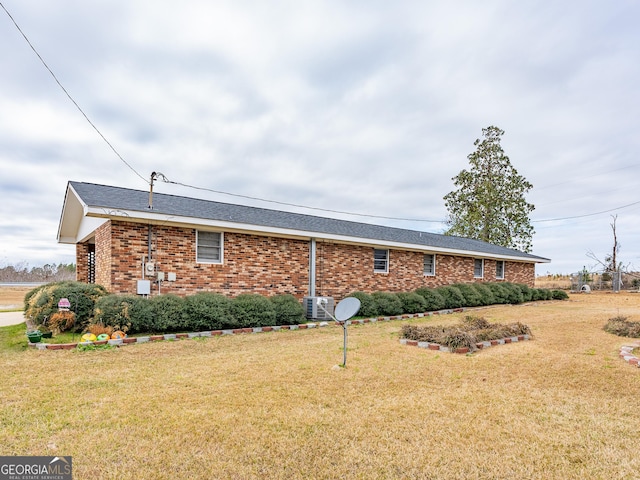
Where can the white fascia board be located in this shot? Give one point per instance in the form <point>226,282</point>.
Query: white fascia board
<point>70,217</point>
<point>192,222</point>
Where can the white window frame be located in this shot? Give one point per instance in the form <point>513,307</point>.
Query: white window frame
<point>376,260</point>
<point>432,272</point>
<point>500,271</point>
<point>220,247</point>
<point>475,262</point>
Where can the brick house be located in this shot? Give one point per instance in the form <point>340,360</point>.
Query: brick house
<point>185,245</point>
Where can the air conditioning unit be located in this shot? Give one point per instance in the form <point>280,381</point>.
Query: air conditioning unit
<point>313,311</point>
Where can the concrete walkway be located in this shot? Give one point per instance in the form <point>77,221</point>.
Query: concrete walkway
<point>11,318</point>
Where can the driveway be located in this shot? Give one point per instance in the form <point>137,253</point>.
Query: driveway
<point>11,318</point>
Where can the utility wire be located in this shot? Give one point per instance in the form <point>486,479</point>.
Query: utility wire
<point>166,180</point>
<point>587,214</point>
<point>302,206</point>
<point>69,96</point>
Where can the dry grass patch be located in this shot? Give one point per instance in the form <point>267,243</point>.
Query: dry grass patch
<point>12,298</point>
<point>271,405</point>
<point>561,282</point>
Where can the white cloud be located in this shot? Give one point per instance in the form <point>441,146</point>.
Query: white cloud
<point>358,106</point>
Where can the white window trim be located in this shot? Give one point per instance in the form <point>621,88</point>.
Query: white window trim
<point>386,264</point>
<point>498,262</point>
<point>212,262</point>
<point>433,273</point>
<point>474,268</point>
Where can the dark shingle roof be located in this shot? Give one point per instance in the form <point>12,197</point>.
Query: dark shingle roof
<point>117,198</point>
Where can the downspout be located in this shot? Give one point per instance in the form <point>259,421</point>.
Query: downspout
<point>312,267</point>
<point>149,243</point>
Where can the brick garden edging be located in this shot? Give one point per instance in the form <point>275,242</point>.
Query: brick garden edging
<point>479,345</point>
<point>626,353</point>
<point>237,331</point>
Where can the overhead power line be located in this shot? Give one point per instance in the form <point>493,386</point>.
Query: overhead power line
<point>69,95</point>
<point>302,206</point>
<point>587,214</point>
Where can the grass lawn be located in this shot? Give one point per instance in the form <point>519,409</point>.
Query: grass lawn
<point>272,405</point>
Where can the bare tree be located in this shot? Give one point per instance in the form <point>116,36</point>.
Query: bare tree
<point>610,263</point>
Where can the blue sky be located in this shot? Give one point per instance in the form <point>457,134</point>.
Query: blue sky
<point>365,107</point>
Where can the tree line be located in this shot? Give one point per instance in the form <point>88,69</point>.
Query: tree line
<point>22,272</point>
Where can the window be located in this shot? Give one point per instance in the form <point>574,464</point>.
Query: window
<point>500,269</point>
<point>478,268</point>
<point>208,247</point>
<point>380,260</point>
<point>429,264</point>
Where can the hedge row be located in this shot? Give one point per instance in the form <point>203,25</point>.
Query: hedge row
<point>451,296</point>
<point>199,312</point>
<point>214,311</point>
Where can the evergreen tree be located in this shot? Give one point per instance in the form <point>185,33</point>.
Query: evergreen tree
<point>489,202</point>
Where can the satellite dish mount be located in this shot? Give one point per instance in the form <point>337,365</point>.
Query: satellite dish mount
<point>346,309</point>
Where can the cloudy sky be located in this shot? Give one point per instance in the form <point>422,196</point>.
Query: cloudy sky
<point>369,107</point>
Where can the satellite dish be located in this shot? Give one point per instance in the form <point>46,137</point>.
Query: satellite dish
<point>347,308</point>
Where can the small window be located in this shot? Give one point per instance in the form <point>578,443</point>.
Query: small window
<point>209,247</point>
<point>380,261</point>
<point>500,269</point>
<point>429,264</point>
<point>478,268</point>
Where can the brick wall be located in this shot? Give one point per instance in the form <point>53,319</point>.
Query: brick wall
<point>82,262</point>
<point>269,265</point>
<point>343,269</point>
<point>252,263</point>
<point>104,256</point>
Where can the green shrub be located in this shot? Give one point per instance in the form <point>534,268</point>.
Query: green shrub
<point>559,295</point>
<point>207,311</point>
<point>168,313</point>
<point>289,310</point>
<point>43,301</point>
<point>541,294</point>
<point>526,292</point>
<point>514,294</point>
<point>434,300</point>
<point>548,294</point>
<point>453,298</point>
<point>471,296</point>
<point>500,293</point>
<point>486,295</point>
<point>387,303</point>
<point>253,310</point>
<point>120,311</point>
<point>368,307</point>
<point>412,302</point>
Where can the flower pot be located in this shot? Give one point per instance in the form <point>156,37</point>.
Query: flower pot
<point>34,337</point>
<point>47,334</point>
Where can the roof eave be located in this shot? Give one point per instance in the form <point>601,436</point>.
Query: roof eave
<point>193,222</point>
